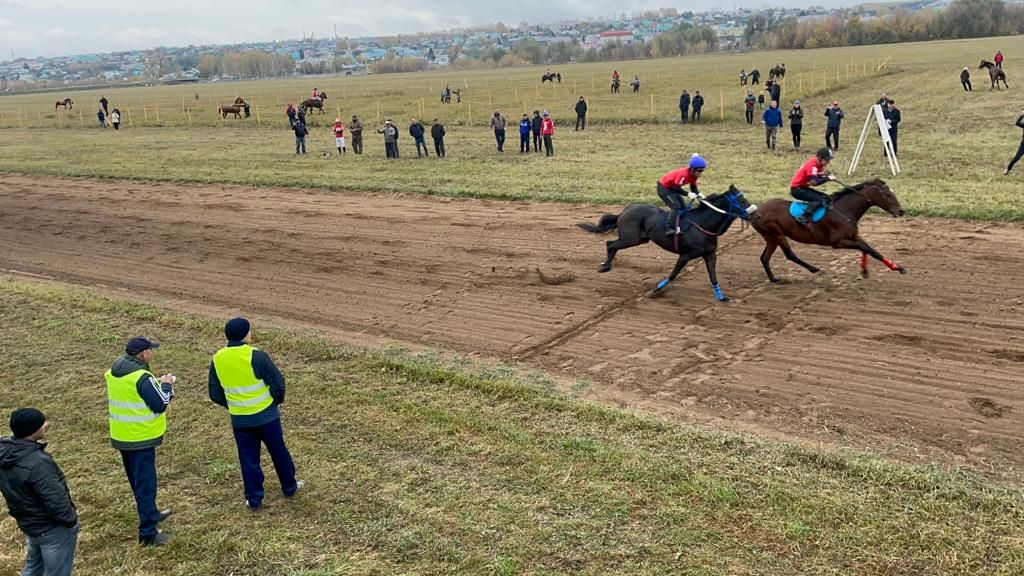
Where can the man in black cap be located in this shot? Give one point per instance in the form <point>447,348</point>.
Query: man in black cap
<point>245,380</point>
<point>137,405</point>
<point>38,497</point>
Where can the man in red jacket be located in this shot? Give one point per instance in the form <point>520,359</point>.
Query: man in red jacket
<point>670,186</point>
<point>812,173</point>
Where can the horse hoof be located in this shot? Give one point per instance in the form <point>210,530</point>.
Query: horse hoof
<point>902,270</point>
<point>863,273</point>
<point>815,270</point>
<point>725,300</point>
<point>604,268</point>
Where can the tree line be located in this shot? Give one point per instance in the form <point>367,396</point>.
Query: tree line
<point>249,64</point>
<point>962,19</point>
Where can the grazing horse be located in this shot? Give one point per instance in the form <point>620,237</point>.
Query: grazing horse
<point>318,103</point>
<point>66,104</point>
<point>838,227</point>
<point>995,74</point>
<point>234,109</point>
<point>777,72</point>
<point>548,77</point>
<point>701,227</point>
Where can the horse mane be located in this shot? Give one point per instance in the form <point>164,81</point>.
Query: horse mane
<point>857,188</point>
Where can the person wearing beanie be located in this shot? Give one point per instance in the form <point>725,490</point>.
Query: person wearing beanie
<point>245,380</point>
<point>137,406</point>
<point>38,497</point>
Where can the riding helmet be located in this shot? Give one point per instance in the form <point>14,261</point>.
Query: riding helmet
<point>697,162</point>
<point>824,153</point>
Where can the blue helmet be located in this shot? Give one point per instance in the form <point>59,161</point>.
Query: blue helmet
<point>697,162</point>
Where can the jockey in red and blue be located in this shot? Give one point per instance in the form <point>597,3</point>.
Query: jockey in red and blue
<point>670,186</point>
<point>812,173</point>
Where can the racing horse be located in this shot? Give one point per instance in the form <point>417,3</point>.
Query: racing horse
<point>777,72</point>
<point>548,77</point>
<point>995,74</point>
<point>318,103</point>
<point>701,227</point>
<point>835,227</point>
<point>66,104</point>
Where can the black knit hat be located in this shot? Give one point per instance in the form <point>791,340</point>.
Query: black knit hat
<point>236,329</point>
<point>26,422</point>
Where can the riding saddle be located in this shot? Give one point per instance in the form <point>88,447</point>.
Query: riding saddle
<point>797,209</point>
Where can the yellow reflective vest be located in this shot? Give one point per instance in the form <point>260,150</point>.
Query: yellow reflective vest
<point>246,394</point>
<point>131,420</point>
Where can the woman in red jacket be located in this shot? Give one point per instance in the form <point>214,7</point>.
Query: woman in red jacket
<point>547,130</point>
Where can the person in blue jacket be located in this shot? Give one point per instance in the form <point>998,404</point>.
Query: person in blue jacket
<point>525,127</point>
<point>772,120</point>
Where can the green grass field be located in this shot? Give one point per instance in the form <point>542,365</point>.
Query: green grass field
<point>953,145</point>
<point>418,464</point>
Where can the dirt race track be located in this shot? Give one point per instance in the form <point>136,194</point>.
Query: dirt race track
<point>926,366</point>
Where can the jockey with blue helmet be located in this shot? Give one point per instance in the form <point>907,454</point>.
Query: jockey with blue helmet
<point>670,186</point>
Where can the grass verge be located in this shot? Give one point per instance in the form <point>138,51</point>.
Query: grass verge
<point>416,466</point>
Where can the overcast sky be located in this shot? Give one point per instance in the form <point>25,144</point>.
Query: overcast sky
<point>59,27</point>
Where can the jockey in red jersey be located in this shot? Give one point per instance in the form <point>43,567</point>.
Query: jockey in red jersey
<point>670,186</point>
<point>812,173</point>
<point>316,94</point>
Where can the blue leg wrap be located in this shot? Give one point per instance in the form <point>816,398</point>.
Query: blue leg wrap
<point>718,292</point>
<point>662,284</point>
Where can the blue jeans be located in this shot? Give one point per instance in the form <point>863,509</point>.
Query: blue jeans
<point>248,441</point>
<point>52,553</point>
<point>421,142</point>
<point>300,142</point>
<point>140,465</point>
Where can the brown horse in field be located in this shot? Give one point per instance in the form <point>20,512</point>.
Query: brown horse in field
<point>837,229</point>
<point>66,104</point>
<point>234,109</point>
<point>310,103</point>
<point>777,72</point>
<point>995,74</point>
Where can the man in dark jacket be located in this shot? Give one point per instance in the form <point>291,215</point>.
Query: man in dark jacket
<point>37,496</point>
<point>684,106</point>
<point>698,105</point>
<point>437,133</point>
<point>417,132</point>
<point>774,91</point>
<point>581,114</point>
<point>835,117</point>
<point>355,127</point>
<point>965,79</point>
<point>300,136</point>
<point>893,119</point>
<point>755,76</point>
<point>137,406</point>
<point>245,380</point>
<point>537,122</point>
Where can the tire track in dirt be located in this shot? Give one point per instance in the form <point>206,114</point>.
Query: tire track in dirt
<point>926,365</point>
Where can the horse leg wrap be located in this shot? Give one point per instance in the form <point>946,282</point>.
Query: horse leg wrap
<point>864,262</point>
<point>890,264</point>
<point>718,292</point>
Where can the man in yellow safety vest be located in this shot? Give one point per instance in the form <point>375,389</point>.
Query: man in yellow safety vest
<point>245,380</point>
<point>137,405</point>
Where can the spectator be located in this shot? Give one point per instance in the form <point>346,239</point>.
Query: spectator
<point>417,132</point>
<point>760,100</point>
<point>883,101</point>
<point>998,58</point>
<point>755,76</point>
<point>339,136</point>
<point>390,137</point>
<point>292,115</point>
<point>356,128</point>
<point>547,129</point>
<point>965,80</point>
<point>748,104</point>
<point>581,114</point>
<point>796,123</point>
<point>835,117</point>
<point>635,84</point>
<point>37,496</point>
<point>498,125</point>
<point>893,119</point>
<point>775,92</point>
<point>743,77</point>
<point>115,118</point>
<point>698,104</point>
<point>246,381</point>
<point>1020,149</point>
<point>525,126</point>
<point>102,117</point>
<point>300,136</point>
<point>437,133</point>
<point>772,120</point>
<point>301,116</point>
<point>137,415</point>
<point>103,99</point>
<point>537,124</point>
<point>684,106</point>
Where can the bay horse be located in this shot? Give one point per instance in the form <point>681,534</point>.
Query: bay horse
<point>318,103</point>
<point>234,109</point>
<point>701,227</point>
<point>837,229</point>
<point>995,74</point>
<point>66,104</point>
<point>548,77</point>
<point>777,72</point>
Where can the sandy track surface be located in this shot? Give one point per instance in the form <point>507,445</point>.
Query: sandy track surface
<point>929,365</point>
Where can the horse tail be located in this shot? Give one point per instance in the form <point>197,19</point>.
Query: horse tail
<point>607,223</point>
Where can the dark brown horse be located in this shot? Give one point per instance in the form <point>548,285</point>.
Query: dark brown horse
<point>837,229</point>
<point>318,103</point>
<point>234,109</point>
<point>777,72</point>
<point>66,104</point>
<point>995,74</point>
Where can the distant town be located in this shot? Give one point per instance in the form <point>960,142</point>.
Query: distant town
<point>564,41</point>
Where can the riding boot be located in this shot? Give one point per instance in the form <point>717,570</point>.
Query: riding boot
<point>812,207</point>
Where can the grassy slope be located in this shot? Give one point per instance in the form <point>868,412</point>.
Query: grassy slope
<point>953,145</point>
<point>415,467</point>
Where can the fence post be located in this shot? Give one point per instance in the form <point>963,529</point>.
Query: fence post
<point>156,110</point>
<point>145,113</point>
<point>39,116</point>
<point>129,111</point>
<point>721,104</point>
<point>469,113</point>
<point>652,104</point>
<point>81,119</point>
<point>188,112</point>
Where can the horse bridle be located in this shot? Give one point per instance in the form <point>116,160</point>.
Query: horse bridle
<point>733,198</point>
